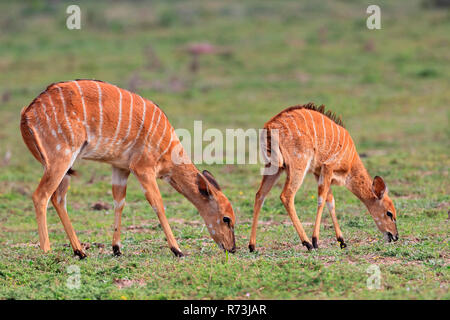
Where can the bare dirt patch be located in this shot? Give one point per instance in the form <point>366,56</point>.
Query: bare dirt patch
<point>380,260</point>
<point>24,245</point>
<point>126,283</point>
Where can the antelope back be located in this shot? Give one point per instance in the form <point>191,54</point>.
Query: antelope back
<point>308,132</point>
<point>107,122</point>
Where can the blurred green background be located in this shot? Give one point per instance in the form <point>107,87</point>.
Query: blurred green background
<point>391,87</point>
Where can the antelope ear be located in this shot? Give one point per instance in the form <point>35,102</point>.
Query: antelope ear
<point>211,179</point>
<point>203,186</point>
<point>378,187</point>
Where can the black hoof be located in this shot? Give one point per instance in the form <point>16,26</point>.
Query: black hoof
<point>307,245</point>
<point>314,242</point>
<point>251,247</point>
<point>342,243</point>
<point>116,251</point>
<point>177,252</point>
<point>80,254</point>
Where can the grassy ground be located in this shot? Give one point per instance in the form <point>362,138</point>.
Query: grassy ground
<point>390,85</point>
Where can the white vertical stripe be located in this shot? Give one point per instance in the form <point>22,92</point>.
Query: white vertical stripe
<point>56,118</point>
<point>354,153</point>
<point>304,119</point>
<point>287,127</point>
<point>38,121</point>
<point>148,132</point>
<point>337,144</point>
<point>140,127</point>
<point>151,123</point>
<point>47,118</point>
<point>332,139</point>
<point>342,154</point>
<point>345,152</point>
<point>162,135</point>
<point>67,118</point>
<point>339,137</point>
<point>168,145</point>
<point>335,151</point>
<point>100,111</point>
<point>344,149</point>
<point>156,126</point>
<point>130,117</point>
<point>84,109</point>
<point>295,123</point>
<point>119,121</point>
<point>314,127</point>
<point>324,131</point>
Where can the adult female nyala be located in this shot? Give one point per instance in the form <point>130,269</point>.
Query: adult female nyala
<point>95,120</point>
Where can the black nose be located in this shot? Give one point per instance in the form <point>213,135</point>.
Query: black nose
<point>232,250</point>
<point>391,237</point>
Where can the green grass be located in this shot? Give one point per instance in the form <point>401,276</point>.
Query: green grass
<point>390,85</point>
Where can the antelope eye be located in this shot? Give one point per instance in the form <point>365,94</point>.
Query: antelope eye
<point>390,215</point>
<point>226,220</point>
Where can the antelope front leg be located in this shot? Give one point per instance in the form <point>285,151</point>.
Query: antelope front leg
<point>324,185</point>
<point>266,184</point>
<point>148,183</point>
<point>119,190</point>
<point>337,230</point>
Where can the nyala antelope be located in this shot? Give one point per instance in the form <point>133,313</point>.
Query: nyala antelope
<point>94,120</point>
<point>312,140</point>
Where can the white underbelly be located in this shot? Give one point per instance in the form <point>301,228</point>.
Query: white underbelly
<point>338,179</point>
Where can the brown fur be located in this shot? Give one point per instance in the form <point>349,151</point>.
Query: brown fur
<point>95,120</point>
<point>311,139</point>
<point>312,106</point>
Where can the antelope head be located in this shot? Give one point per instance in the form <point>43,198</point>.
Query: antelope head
<point>217,211</point>
<point>383,211</point>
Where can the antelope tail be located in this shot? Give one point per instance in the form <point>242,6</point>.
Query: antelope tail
<point>270,147</point>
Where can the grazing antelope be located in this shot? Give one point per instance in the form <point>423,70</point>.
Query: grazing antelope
<point>312,140</point>
<point>94,120</point>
